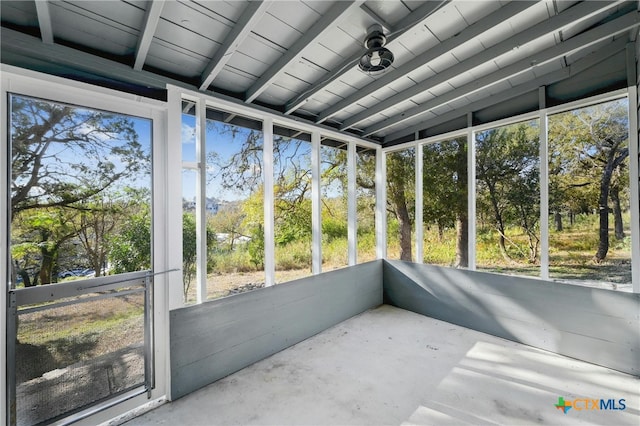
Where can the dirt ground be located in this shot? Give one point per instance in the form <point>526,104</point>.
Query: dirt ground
<point>222,285</point>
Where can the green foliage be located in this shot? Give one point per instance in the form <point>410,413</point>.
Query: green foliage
<point>588,165</point>
<point>508,186</point>
<point>255,247</point>
<point>189,251</point>
<point>401,197</point>
<point>334,253</point>
<point>333,229</point>
<point>69,165</point>
<point>230,262</point>
<point>295,255</point>
<point>131,247</point>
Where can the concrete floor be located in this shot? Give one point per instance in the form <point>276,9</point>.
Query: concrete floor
<point>390,366</point>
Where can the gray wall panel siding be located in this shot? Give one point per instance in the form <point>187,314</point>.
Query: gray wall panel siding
<point>214,339</point>
<point>594,325</point>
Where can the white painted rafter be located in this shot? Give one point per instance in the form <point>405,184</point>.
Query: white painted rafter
<point>240,31</point>
<point>405,25</point>
<point>521,89</point>
<point>568,17</point>
<point>151,19</point>
<point>469,33</point>
<point>44,21</point>
<point>338,12</point>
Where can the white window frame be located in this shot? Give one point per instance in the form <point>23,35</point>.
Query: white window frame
<point>43,86</point>
<point>177,94</point>
<point>542,114</point>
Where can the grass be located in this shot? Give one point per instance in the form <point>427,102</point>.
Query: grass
<point>571,251</point>
<point>60,336</point>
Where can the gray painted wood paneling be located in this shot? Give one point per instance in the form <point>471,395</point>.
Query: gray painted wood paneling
<point>594,325</point>
<point>214,339</point>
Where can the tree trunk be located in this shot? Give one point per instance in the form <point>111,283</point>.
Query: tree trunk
<point>499,221</point>
<point>47,265</point>
<point>571,218</point>
<point>614,194</point>
<point>405,231</point>
<point>603,211</point>
<point>557,219</point>
<point>462,241</point>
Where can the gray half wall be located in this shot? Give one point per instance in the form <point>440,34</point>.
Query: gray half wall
<point>593,325</point>
<point>214,339</point>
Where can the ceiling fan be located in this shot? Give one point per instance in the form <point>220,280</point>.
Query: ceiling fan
<point>377,58</point>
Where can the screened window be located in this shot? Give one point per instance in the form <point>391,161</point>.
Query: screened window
<point>80,192</point>
<point>234,204</point>
<point>401,204</point>
<point>589,204</point>
<point>508,199</point>
<point>292,204</point>
<point>445,207</point>
<point>366,203</point>
<point>333,170</point>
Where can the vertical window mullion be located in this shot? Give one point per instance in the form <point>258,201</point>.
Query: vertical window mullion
<point>316,206</point>
<point>419,223</point>
<point>269,219</point>
<point>471,182</point>
<point>381,204</point>
<point>634,188</point>
<point>201,202</point>
<point>352,230</point>
<point>544,186</point>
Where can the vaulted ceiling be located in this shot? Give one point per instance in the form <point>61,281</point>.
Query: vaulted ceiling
<point>299,58</point>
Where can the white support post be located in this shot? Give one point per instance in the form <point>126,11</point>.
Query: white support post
<point>634,173</point>
<point>167,253</point>
<point>471,185</point>
<point>201,201</point>
<point>173,183</point>
<point>544,185</point>
<point>316,211</point>
<point>381,204</point>
<point>4,247</point>
<point>352,230</point>
<point>419,225</point>
<point>269,220</point>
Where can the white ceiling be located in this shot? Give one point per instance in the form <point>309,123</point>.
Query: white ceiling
<point>299,57</point>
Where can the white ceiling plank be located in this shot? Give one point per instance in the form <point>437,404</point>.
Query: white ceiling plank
<point>236,36</point>
<point>438,50</point>
<point>405,25</point>
<point>575,14</point>
<point>579,42</point>
<point>547,79</point>
<point>151,19</point>
<point>316,32</point>
<point>44,21</point>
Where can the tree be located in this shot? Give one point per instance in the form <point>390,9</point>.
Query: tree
<point>588,151</point>
<point>39,234</point>
<point>229,220</point>
<point>100,217</point>
<point>400,195</point>
<point>445,192</point>
<point>62,156</point>
<point>130,249</point>
<point>507,173</point>
<point>189,251</point>
<point>241,172</point>
<point>48,140</point>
